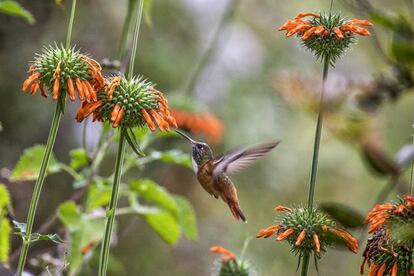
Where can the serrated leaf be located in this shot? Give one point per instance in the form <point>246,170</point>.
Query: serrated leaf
<point>15,9</point>
<point>5,239</point>
<point>28,166</point>
<point>79,158</point>
<point>99,194</point>
<point>173,156</point>
<point>153,193</point>
<point>187,218</point>
<point>347,216</point>
<point>4,197</point>
<point>165,225</point>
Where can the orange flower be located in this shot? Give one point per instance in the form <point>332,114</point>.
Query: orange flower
<point>394,269</point>
<point>316,242</point>
<point>128,102</point>
<point>300,238</point>
<point>285,234</point>
<point>281,208</point>
<point>227,255</point>
<point>200,123</point>
<point>350,241</point>
<point>269,231</point>
<point>61,70</point>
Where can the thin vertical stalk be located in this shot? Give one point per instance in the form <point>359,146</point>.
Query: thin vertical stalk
<point>38,188</point>
<point>305,264</point>
<point>126,29</point>
<point>315,158</point>
<point>70,25</point>
<point>110,213</point>
<point>44,165</point>
<point>412,174</point>
<point>135,43</point>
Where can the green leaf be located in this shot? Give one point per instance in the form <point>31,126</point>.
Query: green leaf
<point>165,225</point>
<point>153,193</point>
<point>173,156</point>
<point>4,197</point>
<point>84,231</point>
<point>46,237</point>
<point>15,9</point>
<point>347,216</point>
<point>79,158</point>
<point>28,166</point>
<point>5,239</point>
<point>99,194</point>
<point>187,218</point>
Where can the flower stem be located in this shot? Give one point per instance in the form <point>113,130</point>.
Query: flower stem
<point>110,213</point>
<point>38,188</point>
<point>135,42</point>
<point>315,158</point>
<point>305,264</point>
<point>70,25</point>
<point>126,29</point>
<point>411,175</point>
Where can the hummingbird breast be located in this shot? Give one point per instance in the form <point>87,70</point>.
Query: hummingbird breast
<point>205,177</point>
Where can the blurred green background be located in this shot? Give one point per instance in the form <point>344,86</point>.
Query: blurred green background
<point>237,84</point>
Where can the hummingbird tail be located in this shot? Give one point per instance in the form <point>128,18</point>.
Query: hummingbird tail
<point>237,212</point>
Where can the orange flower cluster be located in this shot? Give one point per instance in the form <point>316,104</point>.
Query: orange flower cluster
<point>226,255</point>
<point>86,89</point>
<point>151,105</point>
<point>316,237</point>
<point>305,28</point>
<point>204,123</point>
<point>379,215</point>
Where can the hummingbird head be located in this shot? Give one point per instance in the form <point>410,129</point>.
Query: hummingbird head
<point>201,152</point>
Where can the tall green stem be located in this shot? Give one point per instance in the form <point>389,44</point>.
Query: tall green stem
<point>135,42</point>
<point>411,176</point>
<point>126,29</point>
<point>38,188</point>
<point>70,25</point>
<point>305,264</point>
<point>44,165</point>
<point>315,158</point>
<point>110,213</point>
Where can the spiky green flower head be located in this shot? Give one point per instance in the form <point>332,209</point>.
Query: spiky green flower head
<point>308,231</point>
<point>59,71</point>
<point>326,35</point>
<point>385,255</point>
<point>229,264</point>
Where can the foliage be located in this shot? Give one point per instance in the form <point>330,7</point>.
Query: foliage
<point>13,8</point>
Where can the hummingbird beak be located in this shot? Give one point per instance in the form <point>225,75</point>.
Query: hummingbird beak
<point>186,137</point>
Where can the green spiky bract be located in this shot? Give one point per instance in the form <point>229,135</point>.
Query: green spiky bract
<point>234,268</point>
<point>71,67</point>
<point>329,46</point>
<point>132,95</point>
<point>312,221</point>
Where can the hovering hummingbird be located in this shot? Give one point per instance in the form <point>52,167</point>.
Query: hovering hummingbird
<point>212,172</point>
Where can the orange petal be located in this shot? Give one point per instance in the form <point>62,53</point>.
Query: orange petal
<point>86,91</point>
<point>29,80</point>
<point>338,32</point>
<point>79,86</point>
<point>300,238</point>
<point>285,234</point>
<point>71,90</point>
<point>360,22</point>
<point>269,231</point>
<point>114,113</point>
<point>91,91</point>
<point>394,269</point>
<point>316,243</point>
<point>382,269</point>
<point>55,92</point>
<point>148,119</point>
<point>118,118</point>
<point>228,256</point>
<point>304,14</point>
<point>308,33</point>
<point>157,118</point>
<point>34,88</point>
<point>281,208</point>
<point>373,269</point>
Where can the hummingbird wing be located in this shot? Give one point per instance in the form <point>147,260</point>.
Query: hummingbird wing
<point>237,160</point>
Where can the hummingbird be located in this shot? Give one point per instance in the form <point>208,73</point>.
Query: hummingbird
<point>212,172</point>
